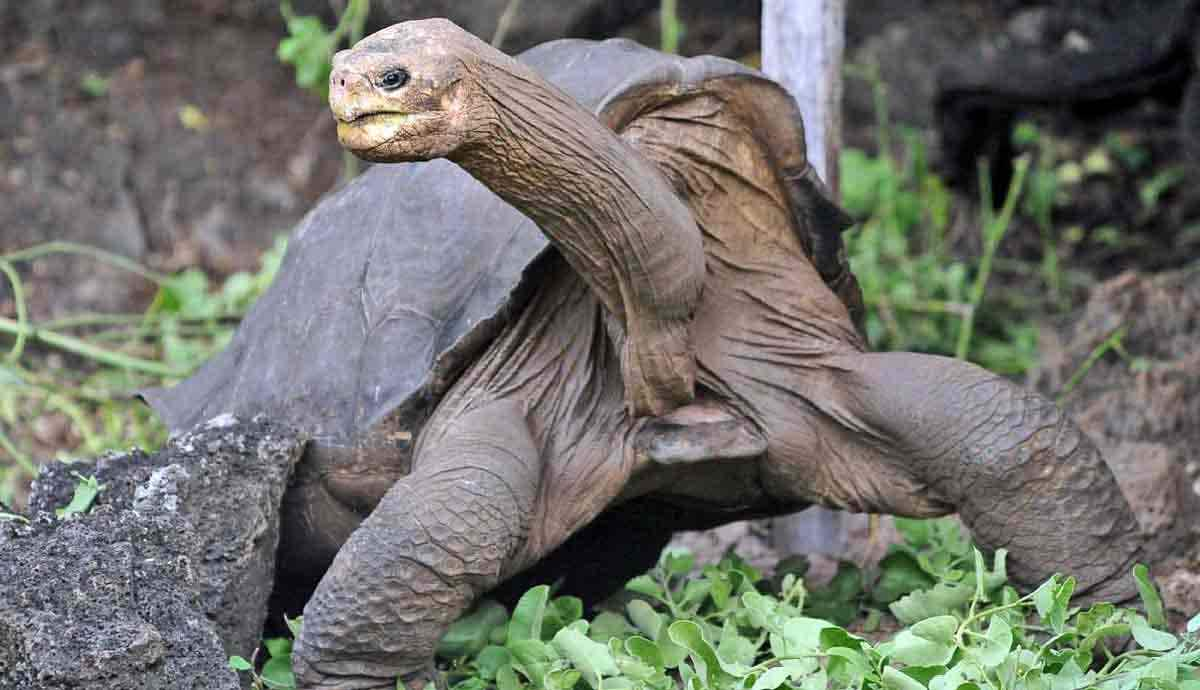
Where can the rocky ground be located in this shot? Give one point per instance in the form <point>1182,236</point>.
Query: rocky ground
<point>166,575</point>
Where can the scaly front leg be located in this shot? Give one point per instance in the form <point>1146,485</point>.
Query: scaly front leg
<point>440,537</point>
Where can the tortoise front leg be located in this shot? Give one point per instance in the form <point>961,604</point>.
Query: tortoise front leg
<point>938,435</point>
<point>440,537</point>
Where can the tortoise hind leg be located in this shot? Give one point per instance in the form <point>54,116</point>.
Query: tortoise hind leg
<point>439,538</point>
<point>939,435</point>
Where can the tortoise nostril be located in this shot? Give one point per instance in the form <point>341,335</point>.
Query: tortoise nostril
<point>343,81</point>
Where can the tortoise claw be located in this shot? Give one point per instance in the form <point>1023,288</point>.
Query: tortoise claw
<point>309,677</point>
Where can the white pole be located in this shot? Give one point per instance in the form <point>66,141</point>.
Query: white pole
<point>802,46</point>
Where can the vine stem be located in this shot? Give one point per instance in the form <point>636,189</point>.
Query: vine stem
<point>85,349</point>
<point>20,458</point>
<point>62,247</point>
<point>22,316</point>
<point>505,21</point>
<point>994,228</point>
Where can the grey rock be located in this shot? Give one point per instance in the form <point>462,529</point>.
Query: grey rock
<point>165,577</point>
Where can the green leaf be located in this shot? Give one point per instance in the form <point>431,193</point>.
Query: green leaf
<point>560,613</point>
<point>294,624</point>
<point>760,610</point>
<point>490,659</point>
<point>834,636</point>
<point>924,674</point>
<point>678,561</point>
<point>1051,599</point>
<point>562,679</point>
<point>526,623</point>
<point>673,654</point>
<point>1149,594</point>
<point>688,635</point>
<point>506,679</point>
<point>469,683</point>
<point>846,666</point>
<point>999,639</point>
<point>1194,624</point>
<point>801,636</point>
<point>900,574</point>
<point>631,667</point>
<point>473,631</point>
<point>694,593</point>
<point>645,618</point>
<point>86,490</point>
<point>1164,668</point>
<point>277,672</point>
<point>720,586</point>
<point>1149,638</point>
<point>238,663</point>
<point>733,648</point>
<point>646,651</point>
<point>644,584</point>
<point>590,657</point>
<point>771,679</point>
<point>895,680</point>
<point>943,598</point>
<point>980,573</point>
<point>533,658</point>
<point>278,647</point>
<point>606,625</point>
<point>1043,596</point>
<point>837,602</point>
<point>927,643</point>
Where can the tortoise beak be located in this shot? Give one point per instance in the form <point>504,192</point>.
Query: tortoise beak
<point>348,90</point>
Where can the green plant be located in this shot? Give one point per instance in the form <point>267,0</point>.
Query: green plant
<point>309,48</point>
<point>310,45</point>
<point>920,296</point>
<point>277,669</point>
<point>188,321</point>
<point>1041,199</point>
<point>670,28</point>
<point>86,491</point>
<point>723,627</point>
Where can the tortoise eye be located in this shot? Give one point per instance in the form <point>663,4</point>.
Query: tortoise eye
<point>393,79</point>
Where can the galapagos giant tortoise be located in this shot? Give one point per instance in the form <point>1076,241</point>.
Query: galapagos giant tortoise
<point>617,367</point>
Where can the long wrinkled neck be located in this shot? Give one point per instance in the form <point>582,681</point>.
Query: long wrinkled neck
<point>556,163</point>
<point>608,210</point>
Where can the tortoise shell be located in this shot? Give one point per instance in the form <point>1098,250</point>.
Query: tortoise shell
<point>394,283</point>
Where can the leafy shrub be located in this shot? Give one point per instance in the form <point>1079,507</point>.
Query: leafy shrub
<point>727,628</point>
<point>188,321</point>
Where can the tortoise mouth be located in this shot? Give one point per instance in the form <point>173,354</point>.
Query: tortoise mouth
<point>370,131</point>
<point>364,118</point>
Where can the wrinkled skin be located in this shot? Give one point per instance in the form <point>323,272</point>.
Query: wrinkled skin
<point>535,440</point>
<point>608,211</point>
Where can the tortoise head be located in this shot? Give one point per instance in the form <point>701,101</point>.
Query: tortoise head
<point>408,92</point>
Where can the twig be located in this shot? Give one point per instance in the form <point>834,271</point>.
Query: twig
<point>668,20</point>
<point>1112,342</point>
<point>20,458</point>
<point>85,349</point>
<point>504,23</point>
<point>47,386</point>
<point>994,228</point>
<point>61,247</point>
<point>22,317</point>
